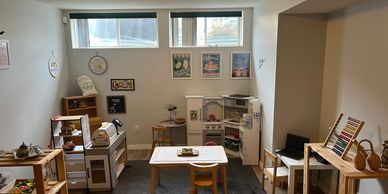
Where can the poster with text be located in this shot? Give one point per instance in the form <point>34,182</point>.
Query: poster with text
<point>211,65</point>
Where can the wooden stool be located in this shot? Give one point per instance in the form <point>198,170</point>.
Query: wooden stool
<point>159,136</point>
<point>207,177</point>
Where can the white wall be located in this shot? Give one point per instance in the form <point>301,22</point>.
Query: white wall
<point>29,96</point>
<point>355,75</point>
<point>299,76</point>
<point>154,87</point>
<point>265,28</point>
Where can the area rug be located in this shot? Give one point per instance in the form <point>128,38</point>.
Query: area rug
<point>136,179</point>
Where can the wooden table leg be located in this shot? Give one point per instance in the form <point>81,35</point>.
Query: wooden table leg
<point>225,177</point>
<point>352,186</point>
<point>334,180</point>
<point>153,178</point>
<point>306,170</point>
<point>39,182</point>
<point>343,184</point>
<point>291,181</point>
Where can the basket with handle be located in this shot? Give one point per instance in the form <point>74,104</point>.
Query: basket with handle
<point>361,158</point>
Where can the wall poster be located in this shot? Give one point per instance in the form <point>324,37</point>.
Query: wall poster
<point>240,65</point>
<point>211,65</point>
<point>181,65</point>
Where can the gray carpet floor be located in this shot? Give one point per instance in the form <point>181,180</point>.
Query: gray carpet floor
<point>136,179</point>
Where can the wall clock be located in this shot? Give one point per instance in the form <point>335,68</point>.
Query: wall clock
<point>98,64</point>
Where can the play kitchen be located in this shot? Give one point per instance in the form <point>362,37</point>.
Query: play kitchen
<point>224,120</point>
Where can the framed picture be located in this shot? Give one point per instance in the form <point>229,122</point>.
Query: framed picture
<point>4,54</point>
<point>122,84</point>
<point>211,65</point>
<point>240,65</point>
<point>181,65</point>
<point>116,104</point>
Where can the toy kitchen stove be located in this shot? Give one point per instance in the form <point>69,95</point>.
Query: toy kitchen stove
<point>213,125</point>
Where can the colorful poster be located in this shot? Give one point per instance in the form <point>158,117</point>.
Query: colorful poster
<point>241,66</point>
<point>181,65</point>
<point>211,65</point>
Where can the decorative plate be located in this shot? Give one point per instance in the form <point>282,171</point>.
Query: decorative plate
<point>98,64</point>
<point>54,67</point>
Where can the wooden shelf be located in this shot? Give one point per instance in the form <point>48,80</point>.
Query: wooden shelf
<point>38,164</point>
<point>120,168</point>
<point>82,108</point>
<point>79,149</point>
<point>119,153</point>
<point>348,173</point>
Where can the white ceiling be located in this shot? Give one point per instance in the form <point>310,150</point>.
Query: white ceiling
<point>148,4</point>
<point>321,6</point>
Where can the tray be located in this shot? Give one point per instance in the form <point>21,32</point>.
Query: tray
<point>34,152</point>
<point>193,153</point>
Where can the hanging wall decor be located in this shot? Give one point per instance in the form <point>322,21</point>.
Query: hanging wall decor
<point>240,65</point>
<point>4,54</point>
<point>211,65</point>
<point>98,64</point>
<point>181,65</point>
<point>122,84</point>
<point>53,66</point>
<point>116,104</point>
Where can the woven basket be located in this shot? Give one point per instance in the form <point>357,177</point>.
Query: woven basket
<point>373,159</point>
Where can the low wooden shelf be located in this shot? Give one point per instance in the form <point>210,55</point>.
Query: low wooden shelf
<point>38,164</point>
<point>348,174</point>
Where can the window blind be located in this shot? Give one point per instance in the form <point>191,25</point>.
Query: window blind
<point>111,15</point>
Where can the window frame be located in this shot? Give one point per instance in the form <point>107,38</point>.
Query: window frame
<point>190,31</point>
<point>74,36</point>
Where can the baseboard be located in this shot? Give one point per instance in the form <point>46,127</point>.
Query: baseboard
<point>139,147</point>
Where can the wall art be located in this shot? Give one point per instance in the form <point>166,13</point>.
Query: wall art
<point>181,65</point>
<point>122,84</point>
<point>4,54</point>
<point>211,65</point>
<point>240,65</point>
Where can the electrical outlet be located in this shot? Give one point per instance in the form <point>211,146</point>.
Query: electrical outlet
<point>137,128</point>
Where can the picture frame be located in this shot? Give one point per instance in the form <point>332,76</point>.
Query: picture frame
<point>211,65</point>
<point>181,65</point>
<point>122,84</point>
<point>240,65</point>
<point>4,55</point>
<point>116,104</point>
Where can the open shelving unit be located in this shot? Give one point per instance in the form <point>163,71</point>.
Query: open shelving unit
<point>38,163</point>
<point>74,159</point>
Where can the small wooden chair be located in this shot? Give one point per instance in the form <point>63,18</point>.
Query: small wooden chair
<point>203,176</point>
<point>159,136</point>
<point>274,172</point>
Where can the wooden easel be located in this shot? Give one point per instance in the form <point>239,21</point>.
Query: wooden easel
<point>342,140</point>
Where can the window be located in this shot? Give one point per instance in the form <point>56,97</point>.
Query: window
<point>206,29</point>
<point>114,30</point>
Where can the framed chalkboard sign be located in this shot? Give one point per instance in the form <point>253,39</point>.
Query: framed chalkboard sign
<point>116,104</point>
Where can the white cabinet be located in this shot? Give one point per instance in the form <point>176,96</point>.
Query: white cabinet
<point>105,164</point>
<point>98,171</point>
<point>194,120</point>
<point>249,135</point>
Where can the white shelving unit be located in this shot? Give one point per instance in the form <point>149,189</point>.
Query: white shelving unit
<point>75,159</point>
